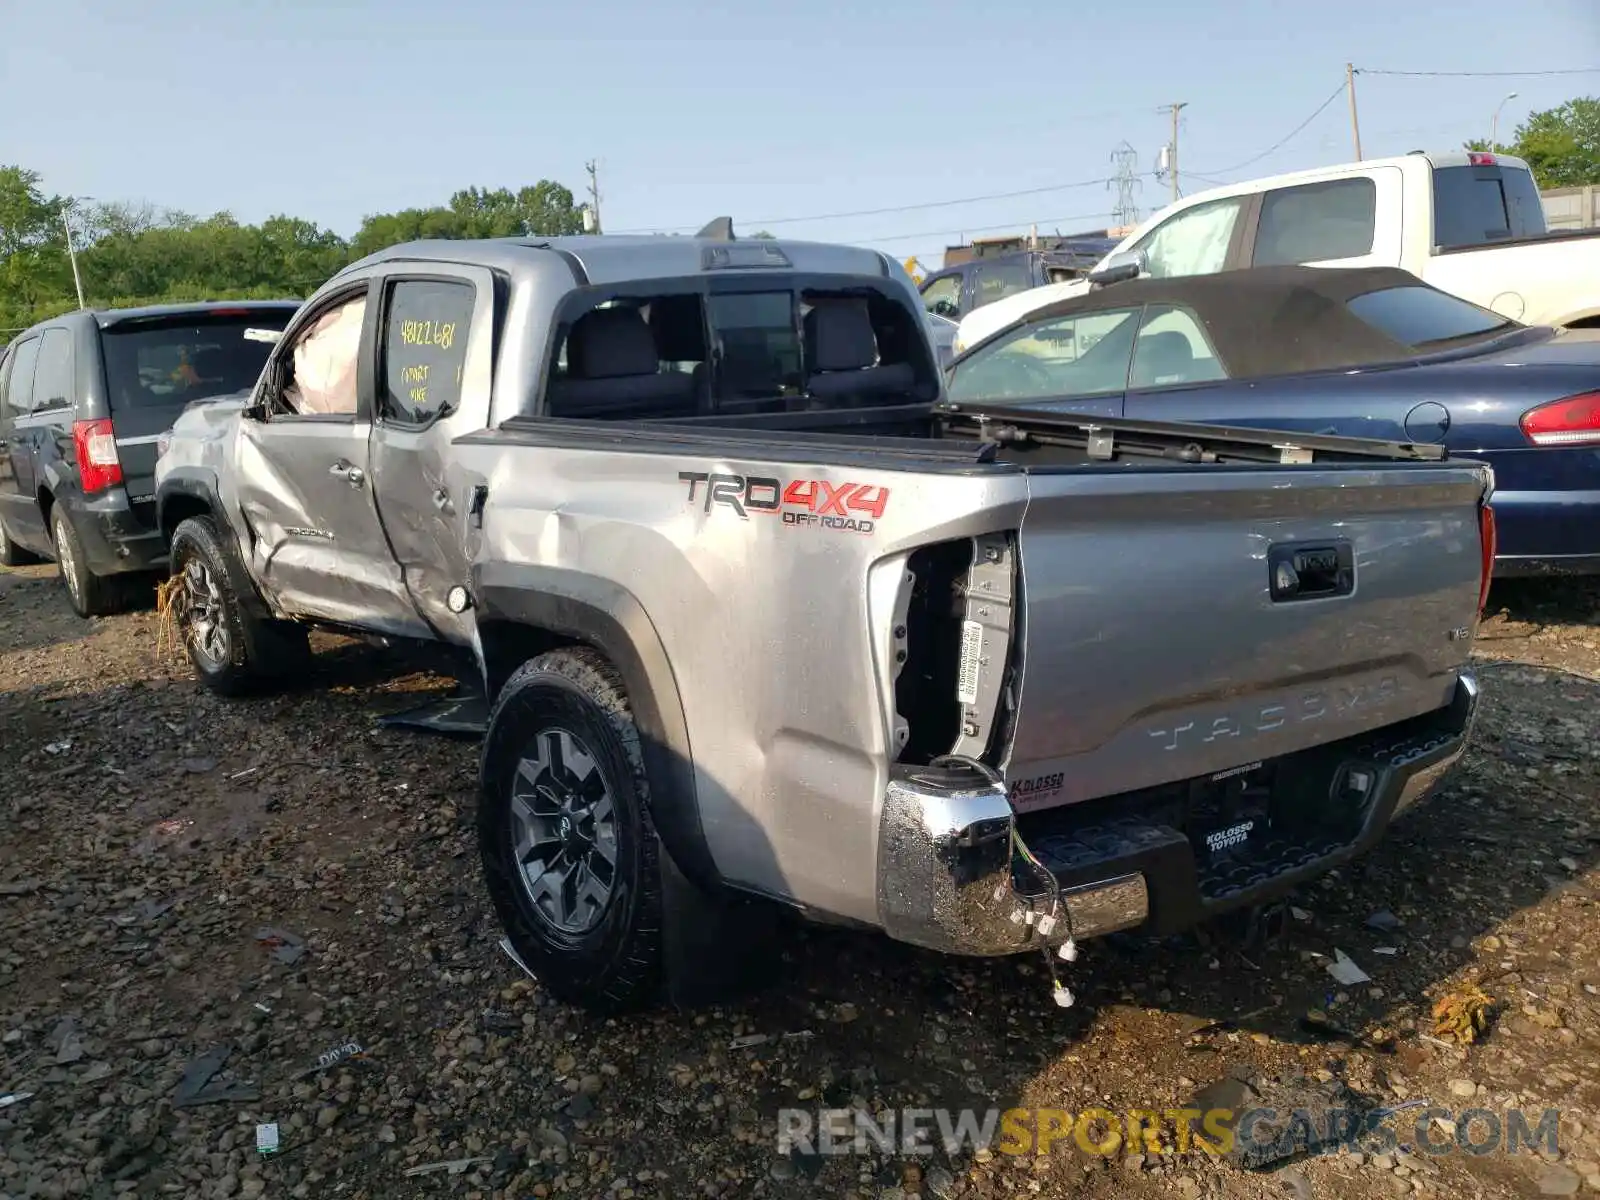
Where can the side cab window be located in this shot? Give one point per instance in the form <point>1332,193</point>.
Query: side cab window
<point>1317,223</point>
<point>316,374</point>
<point>942,296</point>
<point>423,351</point>
<point>1195,241</point>
<point>52,377</point>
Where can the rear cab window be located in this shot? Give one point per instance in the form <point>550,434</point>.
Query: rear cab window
<point>1424,318</point>
<point>1478,206</point>
<point>172,360</point>
<point>996,281</point>
<point>675,350</point>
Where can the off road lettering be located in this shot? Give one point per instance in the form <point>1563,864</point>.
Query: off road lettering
<point>803,503</point>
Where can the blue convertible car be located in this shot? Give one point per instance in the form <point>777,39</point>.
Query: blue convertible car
<point>1365,352</point>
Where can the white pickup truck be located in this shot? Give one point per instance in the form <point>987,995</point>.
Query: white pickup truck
<point>1466,222</point>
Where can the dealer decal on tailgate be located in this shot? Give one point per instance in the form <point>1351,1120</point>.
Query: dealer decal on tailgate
<point>810,503</point>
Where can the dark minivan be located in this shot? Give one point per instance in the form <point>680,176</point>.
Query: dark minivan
<point>84,400</point>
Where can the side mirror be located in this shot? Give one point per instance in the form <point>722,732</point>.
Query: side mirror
<point>1119,268</point>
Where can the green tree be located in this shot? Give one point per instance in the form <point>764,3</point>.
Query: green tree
<point>132,254</point>
<point>1561,145</point>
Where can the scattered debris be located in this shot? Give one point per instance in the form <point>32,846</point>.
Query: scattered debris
<point>1385,921</point>
<point>1344,970</point>
<point>505,945</point>
<point>10,1098</point>
<point>199,1084</point>
<point>1289,1136</point>
<point>454,1166</point>
<point>1462,1016</point>
<point>57,747</point>
<point>267,1138</point>
<point>1299,914</point>
<point>285,946</point>
<point>749,1040</point>
<point>66,1041</point>
<point>332,1058</point>
<point>1389,951</point>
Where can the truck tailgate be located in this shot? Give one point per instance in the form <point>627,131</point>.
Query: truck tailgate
<point>1164,640</point>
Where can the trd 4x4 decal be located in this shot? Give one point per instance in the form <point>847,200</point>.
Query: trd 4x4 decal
<point>846,507</point>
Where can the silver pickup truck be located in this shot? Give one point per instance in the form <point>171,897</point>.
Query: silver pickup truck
<point>760,614</point>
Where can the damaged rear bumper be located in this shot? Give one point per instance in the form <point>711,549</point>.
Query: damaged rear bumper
<point>948,878</point>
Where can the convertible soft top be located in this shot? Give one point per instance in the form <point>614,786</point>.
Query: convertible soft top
<point>1268,320</point>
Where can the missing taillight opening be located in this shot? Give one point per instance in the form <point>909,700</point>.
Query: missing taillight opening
<point>95,443</point>
<point>1570,421</point>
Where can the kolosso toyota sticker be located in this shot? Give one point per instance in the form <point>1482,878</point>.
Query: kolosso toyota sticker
<point>802,503</point>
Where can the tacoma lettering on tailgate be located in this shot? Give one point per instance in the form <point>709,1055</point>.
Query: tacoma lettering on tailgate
<point>810,503</point>
<point>1308,706</point>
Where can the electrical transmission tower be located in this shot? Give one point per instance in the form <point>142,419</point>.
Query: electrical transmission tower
<point>1126,182</point>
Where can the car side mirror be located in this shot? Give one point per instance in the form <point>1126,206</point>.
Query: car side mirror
<point>1119,268</point>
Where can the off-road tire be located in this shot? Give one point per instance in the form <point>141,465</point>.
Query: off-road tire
<point>260,651</point>
<point>616,965</point>
<point>11,554</point>
<point>89,594</point>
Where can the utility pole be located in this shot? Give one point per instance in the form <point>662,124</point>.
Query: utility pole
<point>1172,153</point>
<point>77,281</point>
<point>1355,125</point>
<point>594,192</point>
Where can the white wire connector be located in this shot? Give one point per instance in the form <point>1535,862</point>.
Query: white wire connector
<point>1046,923</point>
<point>1068,951</point>
<point>1061,995</point>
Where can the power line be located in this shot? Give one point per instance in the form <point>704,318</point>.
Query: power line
<point>968,229</point>
<point>1482,74</point>
<point>1285,140</point>
<point>896,208</point>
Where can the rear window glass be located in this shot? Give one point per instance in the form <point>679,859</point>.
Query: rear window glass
<point>174,362</point>
<point>760,345</point>
<point>996,281</point>
<point>1421,316</point>
<point>1475,206</point>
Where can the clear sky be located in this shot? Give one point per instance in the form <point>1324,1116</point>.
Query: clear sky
<point>695,108</point>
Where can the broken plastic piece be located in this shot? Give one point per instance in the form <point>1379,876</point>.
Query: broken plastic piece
<point>11,1098</point>
<point>199,1085</point>
<point>1344,970</point>
<point>454,1166</point>
<point>1384,921</point>
<point>285,946</point>
<point>748,1040</point>
<point>1299,914</point>
<point>267,1138</point>
<point>505,945</point>
<point>332,1058</point>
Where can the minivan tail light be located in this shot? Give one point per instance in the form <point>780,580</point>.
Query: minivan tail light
<point>1570,421</point>
<point>96,445</point>
<point>1490,543</point>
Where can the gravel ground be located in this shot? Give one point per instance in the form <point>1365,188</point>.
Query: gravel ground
<point>152,832</point>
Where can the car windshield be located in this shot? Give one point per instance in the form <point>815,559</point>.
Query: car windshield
<point>188,358</point>
<point>1421,317</point>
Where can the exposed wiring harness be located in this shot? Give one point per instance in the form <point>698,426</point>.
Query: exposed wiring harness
<point>1068,950</point>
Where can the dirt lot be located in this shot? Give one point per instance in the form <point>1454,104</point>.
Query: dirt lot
<point>151,832</point>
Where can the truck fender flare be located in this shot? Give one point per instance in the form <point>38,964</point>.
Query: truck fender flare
<point>522,610</point>
<point>186,486</point>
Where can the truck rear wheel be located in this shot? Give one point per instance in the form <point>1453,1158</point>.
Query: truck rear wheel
<point>569,852</point>
<point>232,650</point>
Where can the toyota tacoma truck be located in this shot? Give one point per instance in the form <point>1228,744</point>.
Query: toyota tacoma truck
<point>761,614</point>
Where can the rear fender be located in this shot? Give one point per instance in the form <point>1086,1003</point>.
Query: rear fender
<point>524,610</point>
